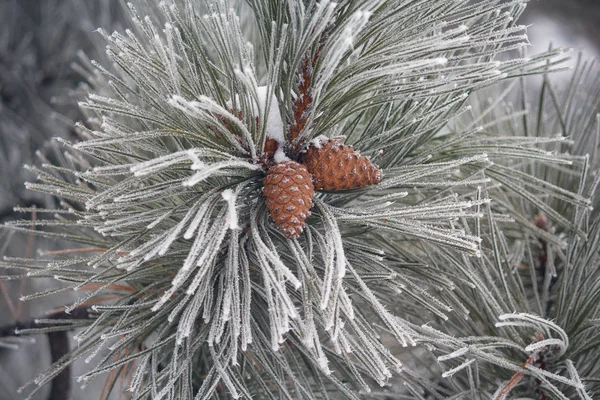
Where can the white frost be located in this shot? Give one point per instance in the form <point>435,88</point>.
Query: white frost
<point>232,217</point>
<point>275,127</point>
<point>280,156</point>
<point>196,163</point>
<point>319,141</point>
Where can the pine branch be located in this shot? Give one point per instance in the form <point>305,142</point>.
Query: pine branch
<point>196,283</point>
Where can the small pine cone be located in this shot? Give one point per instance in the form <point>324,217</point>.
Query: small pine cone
<point>271,147</point>
<point>288,190</point>
<point>336,166</point>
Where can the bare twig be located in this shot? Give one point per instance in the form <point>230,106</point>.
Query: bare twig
<point>59,347</point>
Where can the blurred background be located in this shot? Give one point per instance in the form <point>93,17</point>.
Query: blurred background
<point>564,23</point>
<point>43,44</point>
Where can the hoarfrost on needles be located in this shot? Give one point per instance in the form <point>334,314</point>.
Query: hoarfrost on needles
<point>232,216</point>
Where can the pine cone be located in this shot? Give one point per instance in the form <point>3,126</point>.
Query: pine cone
<point>288,190</point>
<point>336,166</point>
<point>271,147</point>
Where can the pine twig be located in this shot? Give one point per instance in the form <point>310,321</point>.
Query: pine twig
<point>303,102</point>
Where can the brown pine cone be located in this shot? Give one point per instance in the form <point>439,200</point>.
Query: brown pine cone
<point>271,147</point>
<point>289,190</point>
<point>336,166</point>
